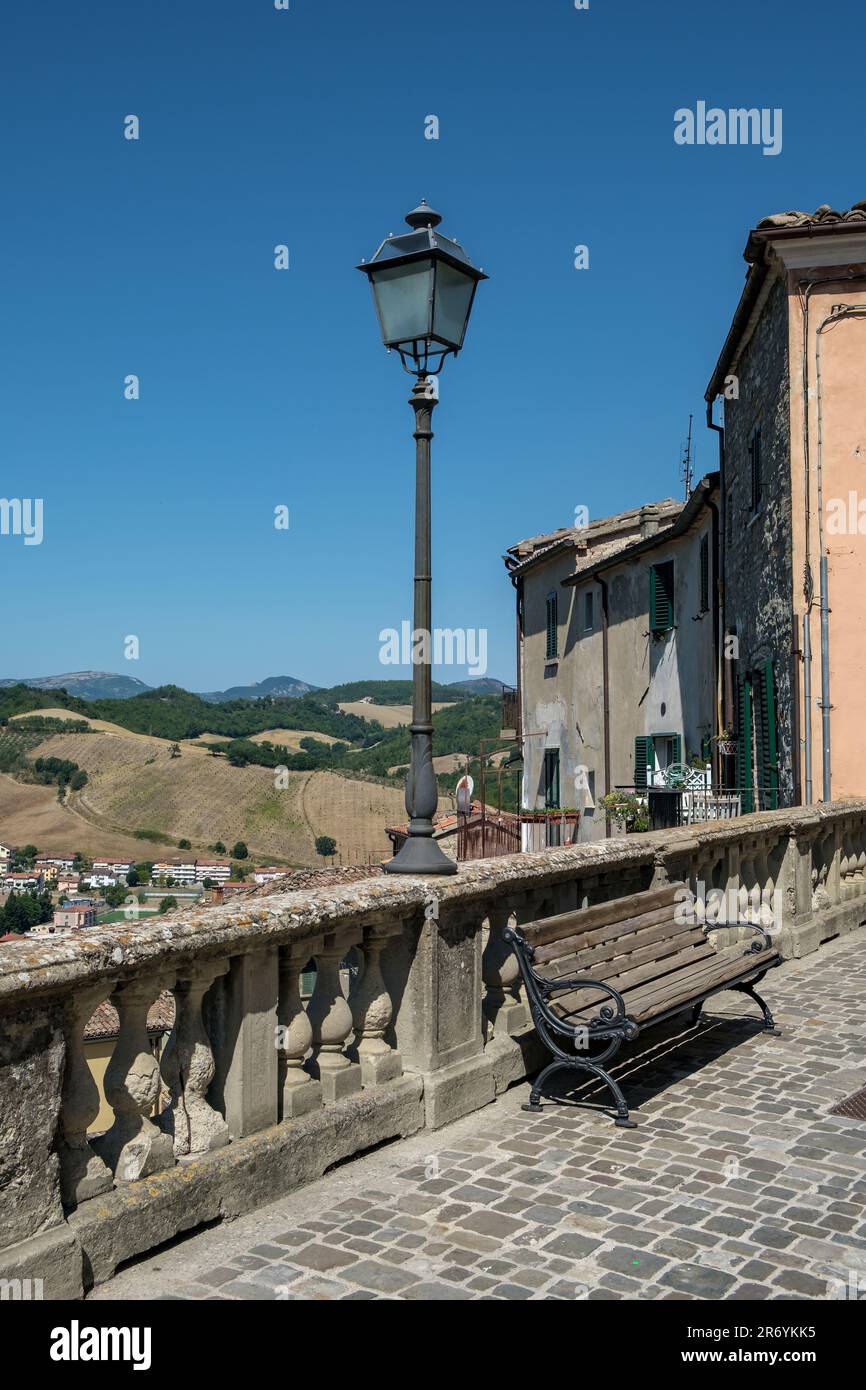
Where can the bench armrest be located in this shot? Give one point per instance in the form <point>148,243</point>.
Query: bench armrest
<point>611,1020</point>
<point>765,943</point>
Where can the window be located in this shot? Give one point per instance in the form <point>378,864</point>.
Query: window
<point>668,749</point>
<point>661,597</point>
<point>552,627</point>
<point>551,778</point>
<point>757,747</point>
<point>652,754</point>
<point>588,621</point>
<point>756,467</point>
<point>705,573</point>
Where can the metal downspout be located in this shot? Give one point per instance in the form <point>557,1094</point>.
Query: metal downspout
<point>605,676</point>
<point>719,562</point>
<point>807,701</point>
<point>716,759</point>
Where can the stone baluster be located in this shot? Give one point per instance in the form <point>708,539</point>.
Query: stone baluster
<point>765,886</point>
<point>371,1007</point>
<point>504,1009</point>
<point>298,1092</point>
<point>834,863</point>
<point>745,901</point>
<point>134,1147</point>
<point>331,1021</point>
<point>188,1067</point>
<point>83,1174</point>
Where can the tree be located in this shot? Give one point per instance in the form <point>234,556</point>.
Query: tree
<point>219,847</point>
<point>78,780</point>
<point>174,750</point>
<point>167,904</point>
<point>240,851</point>
<point>239,873</point>
<point>326,845</point>
<point>183,844</point>
<point>144,870</point>
<point>209,883</point>
<point>132,878</point>
<point>24,910</point>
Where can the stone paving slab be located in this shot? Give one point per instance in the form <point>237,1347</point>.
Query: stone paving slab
<point>737,1184</point>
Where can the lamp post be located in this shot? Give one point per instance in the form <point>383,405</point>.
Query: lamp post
<point>423,287</point>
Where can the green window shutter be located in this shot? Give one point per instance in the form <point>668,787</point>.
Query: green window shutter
<point>766,755</point>
<point>745,766</point>
<point>661,597</point>
<point>678,748</point>
<point>551,778</point>
<point>643,756</point>
<point>552,626</point>
<point>759,707</point>
<point>705,574</point>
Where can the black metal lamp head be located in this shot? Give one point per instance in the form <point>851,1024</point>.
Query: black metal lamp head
<point>423,287</point>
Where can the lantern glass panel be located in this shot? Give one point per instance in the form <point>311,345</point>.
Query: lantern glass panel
<point>402,295</point>
<point>454,292</point>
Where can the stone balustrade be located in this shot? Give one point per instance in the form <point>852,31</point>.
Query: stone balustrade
<point>416,1018</point>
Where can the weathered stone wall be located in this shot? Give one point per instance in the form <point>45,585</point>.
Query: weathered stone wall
<point>758,545</point>
<point>268,1089</point>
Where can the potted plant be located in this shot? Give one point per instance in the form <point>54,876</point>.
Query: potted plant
<point>630,812</point>
<point>727,742</point>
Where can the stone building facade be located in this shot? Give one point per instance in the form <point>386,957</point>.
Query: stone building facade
<point>793,471</point>
<point>617,635</point>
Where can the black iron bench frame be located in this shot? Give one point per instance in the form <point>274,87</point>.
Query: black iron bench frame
<point>611,1023</point>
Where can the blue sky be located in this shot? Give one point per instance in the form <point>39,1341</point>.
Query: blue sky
<point>262,388</point>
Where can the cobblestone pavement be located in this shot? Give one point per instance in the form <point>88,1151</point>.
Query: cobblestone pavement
<point>737,1183</point>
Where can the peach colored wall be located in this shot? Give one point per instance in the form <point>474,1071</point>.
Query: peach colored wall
<point>843,398</point>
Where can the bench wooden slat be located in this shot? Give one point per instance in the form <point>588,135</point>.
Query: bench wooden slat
<point>611,932</point>
<point>656,948</point>
<point>655,973</point>
<point>637,946</point>
<point>658,997</point>
<point>644,999</point>
<point>600,915</point>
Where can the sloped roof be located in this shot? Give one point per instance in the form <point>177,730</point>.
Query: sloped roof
<point>594,542</point>
<point>822,216</point>
<point>777,226</point>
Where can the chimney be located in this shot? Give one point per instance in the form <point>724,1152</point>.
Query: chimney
<point>649,519</point>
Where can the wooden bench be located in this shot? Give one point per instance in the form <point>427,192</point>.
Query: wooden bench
<point>603,974</point>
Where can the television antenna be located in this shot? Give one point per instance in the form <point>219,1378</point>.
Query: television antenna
<point>686,462</point>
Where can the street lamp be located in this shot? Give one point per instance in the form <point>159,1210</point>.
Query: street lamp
<point>423,286</point>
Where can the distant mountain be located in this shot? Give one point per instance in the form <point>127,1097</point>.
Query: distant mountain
<point>482,685</point>
<point>86,685</point>
<point>107,685</point>
<point>278,687</point>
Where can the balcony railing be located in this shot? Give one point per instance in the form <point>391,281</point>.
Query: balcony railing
<point>267,1089</point>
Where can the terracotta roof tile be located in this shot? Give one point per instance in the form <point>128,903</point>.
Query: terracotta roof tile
<point>105,1023</point>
